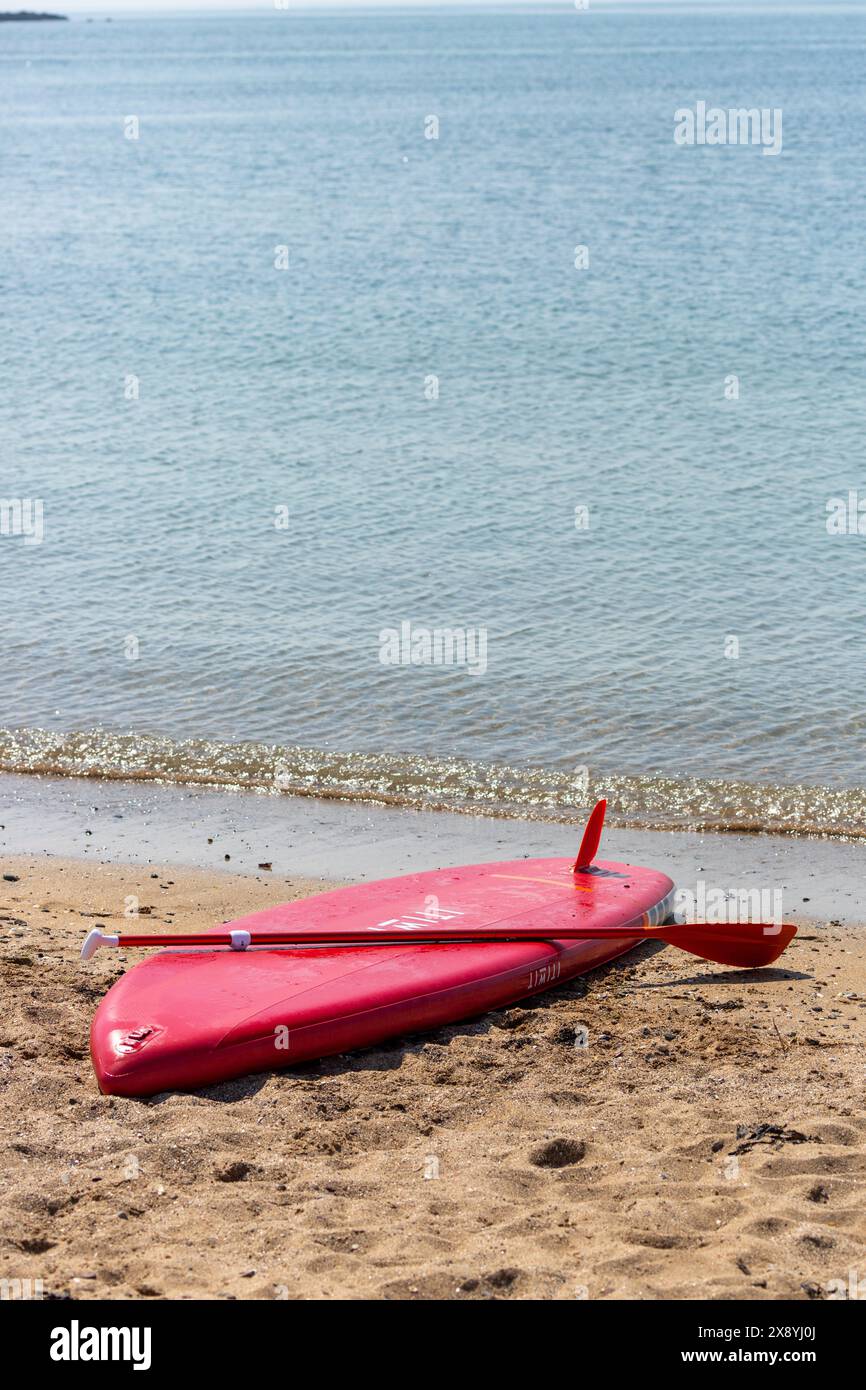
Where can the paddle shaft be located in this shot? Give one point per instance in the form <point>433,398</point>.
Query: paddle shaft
<point>339,936</point>
<point>746,944</point>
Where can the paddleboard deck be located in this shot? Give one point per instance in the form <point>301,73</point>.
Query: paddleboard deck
<point>186,1018</point>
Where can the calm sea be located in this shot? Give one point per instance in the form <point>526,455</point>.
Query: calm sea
<point>319,326</point>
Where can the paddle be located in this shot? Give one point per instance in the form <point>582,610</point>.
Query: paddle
<point>745,944</point>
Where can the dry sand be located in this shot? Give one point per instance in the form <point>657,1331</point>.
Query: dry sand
<point>492,1159</point>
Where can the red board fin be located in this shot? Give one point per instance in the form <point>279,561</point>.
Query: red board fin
<point>591,837</point>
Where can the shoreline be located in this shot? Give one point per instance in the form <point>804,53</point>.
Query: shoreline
<point>332,842</point>
<point>455,785</point>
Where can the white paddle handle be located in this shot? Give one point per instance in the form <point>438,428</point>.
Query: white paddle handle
<point>96,939</point>
<point>238,940</point>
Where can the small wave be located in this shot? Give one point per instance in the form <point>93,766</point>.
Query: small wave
<point>439,784</point>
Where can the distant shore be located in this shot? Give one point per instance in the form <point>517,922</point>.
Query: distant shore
<point>29,14</point>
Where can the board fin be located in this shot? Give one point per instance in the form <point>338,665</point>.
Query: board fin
<point>591,837</point>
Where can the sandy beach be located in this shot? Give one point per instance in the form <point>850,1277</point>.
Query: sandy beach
<point>708,1141</point>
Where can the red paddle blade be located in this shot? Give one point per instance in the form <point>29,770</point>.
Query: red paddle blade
<point>746,944</point>
<point>591,837</point>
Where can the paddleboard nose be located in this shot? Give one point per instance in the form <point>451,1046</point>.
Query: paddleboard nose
<point>123,1057</point>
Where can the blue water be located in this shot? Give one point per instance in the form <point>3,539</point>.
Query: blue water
<point>453,257</point>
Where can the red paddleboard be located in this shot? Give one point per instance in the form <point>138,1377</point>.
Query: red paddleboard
<point>189,1017</point>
